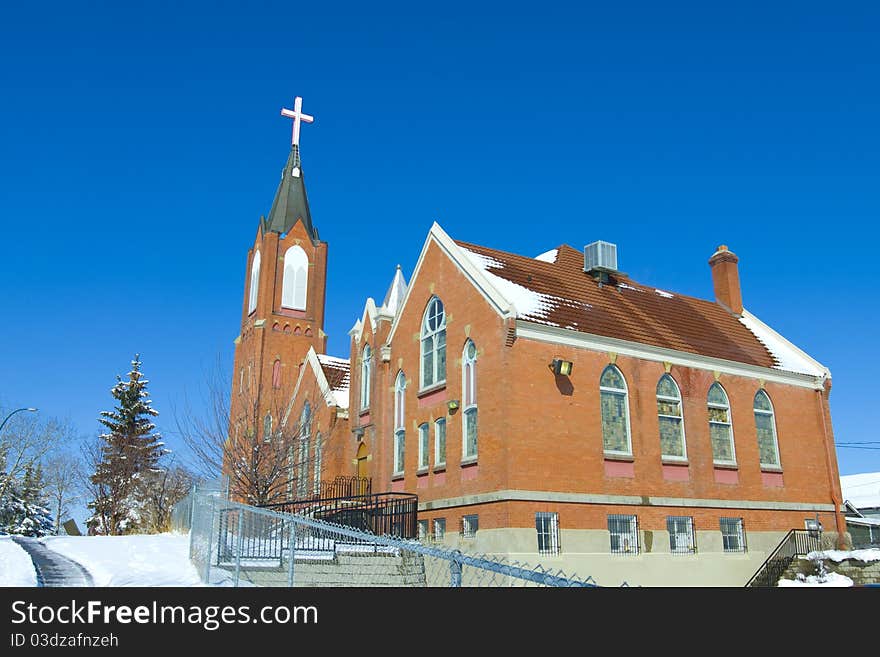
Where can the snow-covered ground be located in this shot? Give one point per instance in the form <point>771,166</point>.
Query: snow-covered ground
<point>16,567</point>
<point>138,560</point>
<point>872,554</point>
<point>831,579</point>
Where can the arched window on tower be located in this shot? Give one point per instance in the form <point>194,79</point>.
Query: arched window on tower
<point>294,286</point>
<point>254,287</point>
<point>276,374</point>
<point>267,428</point>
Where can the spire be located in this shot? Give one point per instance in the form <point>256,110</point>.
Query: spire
<point>396,292</point>
<point>291,203</point>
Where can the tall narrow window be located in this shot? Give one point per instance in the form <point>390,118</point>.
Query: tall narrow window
<point>672,445</point>
<point>366,368</point>
<point>276,374</point>
<point>768,448</point>
<point>547,526</point>
<point>399,423</point>
<point>615,412</point>
<point>295,283</point>
<point>720,428</point>
<point>254,287</point>
<point>433,341</point>
<point>305,431</point>
<point>423,446</point>
<point>440,442</point>
<point>267,428</point>
<point>319,464</point>
<point>469,395</point>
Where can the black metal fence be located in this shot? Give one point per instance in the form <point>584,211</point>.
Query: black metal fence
<point>344,487</point>
<point>797,543</point>
<point>383,514</point>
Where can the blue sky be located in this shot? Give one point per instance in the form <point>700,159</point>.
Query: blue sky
<point>140,144</point>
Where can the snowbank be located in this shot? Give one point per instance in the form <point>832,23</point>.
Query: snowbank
<point>140,560</point>
<point>16,567</point>
<point>831,579</point>
<point>872,554</point>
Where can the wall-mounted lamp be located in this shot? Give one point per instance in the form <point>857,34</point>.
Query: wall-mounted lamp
<point>561,367</point>
<point>452,405</point>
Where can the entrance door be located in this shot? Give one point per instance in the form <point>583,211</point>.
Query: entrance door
<point>362,461</point>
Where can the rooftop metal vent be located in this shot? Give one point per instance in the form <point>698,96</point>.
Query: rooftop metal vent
<point>600,256</point>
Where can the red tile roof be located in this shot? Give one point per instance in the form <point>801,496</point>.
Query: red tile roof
<point>337,371</point>
<point>622,309</point>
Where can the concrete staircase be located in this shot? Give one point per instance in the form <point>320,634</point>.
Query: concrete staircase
<point>341,569</point>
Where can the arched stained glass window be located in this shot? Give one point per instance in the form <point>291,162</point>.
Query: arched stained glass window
<point>614,404</point>
<point>765,424</point>
<point>669,416</point>
<point>720,426</point>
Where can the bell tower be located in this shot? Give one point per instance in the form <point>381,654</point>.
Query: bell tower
<point>284,292</point>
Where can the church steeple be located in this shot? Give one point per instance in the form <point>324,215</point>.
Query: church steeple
<point>291,203</point>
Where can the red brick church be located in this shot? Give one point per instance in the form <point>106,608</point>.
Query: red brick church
<point>546,406</point>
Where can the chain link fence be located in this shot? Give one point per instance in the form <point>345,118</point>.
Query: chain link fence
<point>250,546</point>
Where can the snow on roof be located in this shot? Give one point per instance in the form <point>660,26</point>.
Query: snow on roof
<point>862,490</point>
<point>548,256</point>
<point>324,359</point>
<point>787,356</point>
<point>864,522</point>
<point>527,302</point>
<point>664,294</point>
<point>337,371</point>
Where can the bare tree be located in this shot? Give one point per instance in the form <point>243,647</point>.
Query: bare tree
<point>26,440</point>
<point>62,476</point>
<point>98,491</point>
<point>161,491</point>
<point>267,455</point>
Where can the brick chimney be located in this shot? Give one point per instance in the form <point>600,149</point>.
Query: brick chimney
<point>725,277</point>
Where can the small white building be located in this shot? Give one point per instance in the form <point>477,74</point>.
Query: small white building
<point>862,491</point>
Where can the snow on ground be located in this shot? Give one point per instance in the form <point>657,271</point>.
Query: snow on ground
<point>138,560</point>
<point>16,567</point>
<point>831,579</point>
<point>872,554</point>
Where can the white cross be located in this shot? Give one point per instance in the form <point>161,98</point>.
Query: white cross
<point>297,116</point>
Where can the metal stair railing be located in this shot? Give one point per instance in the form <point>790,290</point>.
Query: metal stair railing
<point>796,543</point>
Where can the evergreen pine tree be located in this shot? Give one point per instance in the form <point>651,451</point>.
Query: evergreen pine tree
<point>131,448</point>
<point>24,510</point>
<point>35,519</point>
